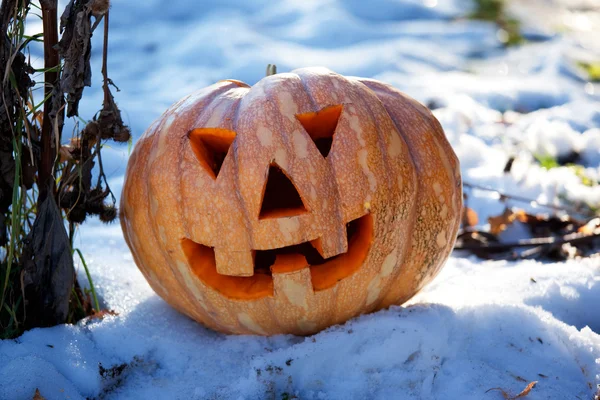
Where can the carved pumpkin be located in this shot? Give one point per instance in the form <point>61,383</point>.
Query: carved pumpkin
<point>292,205</point>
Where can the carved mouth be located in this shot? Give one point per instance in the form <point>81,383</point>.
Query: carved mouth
<point>324,272</point>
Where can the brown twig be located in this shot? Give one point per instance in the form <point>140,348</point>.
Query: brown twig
<point>572,238</point>
<point>51,62</point>
<point>107,94</point>
<point>107,99</point>
<point>528,200</point>
<point>105,78</point>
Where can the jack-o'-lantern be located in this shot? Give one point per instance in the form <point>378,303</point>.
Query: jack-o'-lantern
<point>292,205</point>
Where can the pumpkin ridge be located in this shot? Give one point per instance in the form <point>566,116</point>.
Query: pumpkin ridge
<point>280,118</point>
<point>236,167</point>
<point>315,106</point>
<point>185,142</point>
<point>147,191</point>
<point>288,143</point>
<point>446,149</point>
<point>246,212</point>
<point>416,113</point>
<point>129,232</point>
<point>448,159</point>
<point>308,92</point>
<point>181,210</point>
<point>412,213</point>
<point>447,155</point>
<point>412,217</point>
<point>380,142</point>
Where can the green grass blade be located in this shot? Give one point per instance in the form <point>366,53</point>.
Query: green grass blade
<point>89,277</point>
<point>16,216</point>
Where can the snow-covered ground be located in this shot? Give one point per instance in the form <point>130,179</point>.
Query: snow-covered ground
<point>479,325</point>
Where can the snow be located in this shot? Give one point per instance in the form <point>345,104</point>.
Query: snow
<point>591,147</point>
<point>478,325</point>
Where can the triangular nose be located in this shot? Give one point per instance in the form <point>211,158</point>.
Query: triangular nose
<point>280,196</point>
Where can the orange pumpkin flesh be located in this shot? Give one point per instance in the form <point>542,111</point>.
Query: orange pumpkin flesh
<point>291,205</point>
<point>324,275</point>
<point>202,261</point>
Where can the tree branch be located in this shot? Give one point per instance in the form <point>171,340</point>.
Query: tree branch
<point>527,200</point>
<point>572,238</point>
<point>105,78</point>
<point>51,62</point>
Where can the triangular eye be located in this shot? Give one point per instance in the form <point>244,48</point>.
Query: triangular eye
<point>320,126</point>
<point>280,196</point>
<point>211,146</point>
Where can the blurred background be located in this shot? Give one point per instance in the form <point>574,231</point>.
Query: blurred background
<point>511,81</point>
<point>162,50</point>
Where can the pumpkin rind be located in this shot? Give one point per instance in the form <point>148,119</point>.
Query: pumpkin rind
<point>389,160</point>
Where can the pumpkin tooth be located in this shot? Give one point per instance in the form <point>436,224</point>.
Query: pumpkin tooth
<point>294,288</point>
<point>333,242</point>
<point>202,262</point>
<point>234,262</point>
<point>318,246</point>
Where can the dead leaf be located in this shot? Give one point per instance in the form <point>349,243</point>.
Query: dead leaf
<point>99,7</point>
<point>478,242</point>
<point>470,217</point>
<point>65,153</point>
<point>48,268</point>
<point>591,227</point>
<point>500,222</point>
<point>542,225</point>
<point>102,313</point>
<point>110,123</point>
<point>523,393</point>
<point>75,48</point>
<point>526,391</point>
<point>38,395</point>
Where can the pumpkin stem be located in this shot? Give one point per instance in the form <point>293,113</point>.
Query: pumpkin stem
<point>271,69</point>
